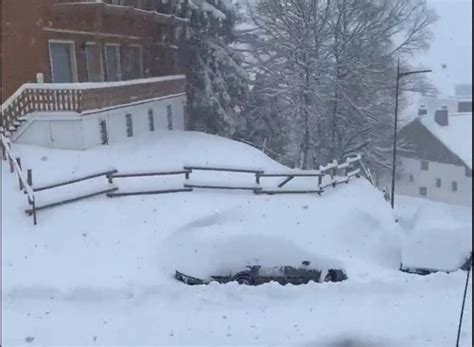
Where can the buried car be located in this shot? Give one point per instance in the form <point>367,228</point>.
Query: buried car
<point>257,275</point>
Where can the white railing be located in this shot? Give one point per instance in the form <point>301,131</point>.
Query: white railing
<point>79,97</point>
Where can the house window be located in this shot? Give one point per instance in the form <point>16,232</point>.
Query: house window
<point>423,191</point>
<point>455,186</point>
<point>93,63</point>
<point>151,120</point>
<point>439,182</point>
<point>129,125</point>
<point>112,62</point>
<point>465,107</point>
<point>132,62</point>
<point>63,61</point>
<point>169,113</point>
<point>468,172</point>
<point>412,178</point>
<point>425,165</point>
<point>104,137</point>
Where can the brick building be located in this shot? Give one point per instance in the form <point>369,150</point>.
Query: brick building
<point>82,56</point>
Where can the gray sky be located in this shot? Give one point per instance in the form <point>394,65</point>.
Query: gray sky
<point>452,45</point>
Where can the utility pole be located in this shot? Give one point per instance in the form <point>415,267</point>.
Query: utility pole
<point>458,341</point>
<point>400,75</point>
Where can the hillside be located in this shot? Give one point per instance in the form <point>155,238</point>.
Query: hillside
<point>99,272</point>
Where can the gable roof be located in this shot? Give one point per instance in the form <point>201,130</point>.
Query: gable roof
<point>457,136</point>
<point>451,144</point>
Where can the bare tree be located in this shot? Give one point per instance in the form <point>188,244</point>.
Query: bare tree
<point>329,67</point>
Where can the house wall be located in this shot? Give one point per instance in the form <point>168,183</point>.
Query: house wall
<point>79,132</point>
<point>28,25</point>
<point>23,43</point>
<point>411,178</point>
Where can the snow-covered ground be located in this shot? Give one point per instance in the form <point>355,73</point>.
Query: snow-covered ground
<point>100,272</point>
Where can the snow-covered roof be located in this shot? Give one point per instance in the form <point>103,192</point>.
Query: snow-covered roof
<point>457,136</point>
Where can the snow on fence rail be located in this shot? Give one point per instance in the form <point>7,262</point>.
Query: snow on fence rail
<point>25,181</point>
<point>330,173</point>
<point>148,174</point>
<point>76,198</point>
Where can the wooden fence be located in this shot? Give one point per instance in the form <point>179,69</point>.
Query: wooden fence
<point>24,181</point>
<point>332,174</point>
<point>76,198</point>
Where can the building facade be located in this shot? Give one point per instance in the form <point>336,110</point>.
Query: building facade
<point>436,162</point>
<point>67,64</point>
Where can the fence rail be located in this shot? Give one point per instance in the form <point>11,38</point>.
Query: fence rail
<point>25,181</point>
<point>329,172</point>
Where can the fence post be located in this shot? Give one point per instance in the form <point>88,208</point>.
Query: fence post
<point>334,173</point>
<point>257,178</point>
<point>20,183</point>
<point>187,175</point>
<point>30,178</point>
<point>34,212</point>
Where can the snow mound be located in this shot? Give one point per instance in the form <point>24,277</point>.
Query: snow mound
<point>436,236</point>
<point>101,271</point>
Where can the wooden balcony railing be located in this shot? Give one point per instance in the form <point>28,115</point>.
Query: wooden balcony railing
<point>81,97</point>
<point>161,6</point>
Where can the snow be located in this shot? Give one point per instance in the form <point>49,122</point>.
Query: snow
<point>437,236</point>
<point>457,136</point>
<point>100,272</point>
<point>204,6</point>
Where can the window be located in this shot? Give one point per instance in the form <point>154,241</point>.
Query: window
<point>132,62</point>
<point>112,62</point>
<point>151,120</point>
<point>169,113</point>
<point>423,191</point>
<point>129,125</point>
<point>425,165</point>
<point>63,61</point>
<point>93,63</point>
<point>468,172</point>
<point>465,107</point>
<point>455,186</point>
<point>104,137</point>
<point>412,178</point>
<point>439,183</point>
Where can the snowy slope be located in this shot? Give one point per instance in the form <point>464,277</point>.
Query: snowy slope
<point>99,272</point>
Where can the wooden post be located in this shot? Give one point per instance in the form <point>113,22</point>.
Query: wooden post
<point>187,175</point>
<point>110,179</point>
<point>334,172</point>
<point>20,183</point>
<point>30,177</point>
<point>35,221</point>
<point>257,178</point>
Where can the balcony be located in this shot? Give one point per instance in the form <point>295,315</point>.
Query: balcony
<point>176,7</point>
<point>83,97</point>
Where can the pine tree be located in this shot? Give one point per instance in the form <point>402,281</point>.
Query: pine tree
<point>217,84</point>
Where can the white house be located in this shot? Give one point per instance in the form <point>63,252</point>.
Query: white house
<point>437,161</point>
